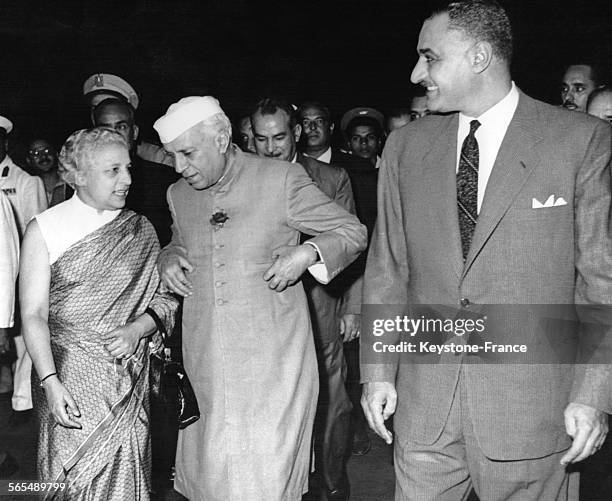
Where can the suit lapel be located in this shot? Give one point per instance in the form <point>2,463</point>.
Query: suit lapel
<point>516,159</point>
<point>440,179</point>
<point>309,167</point>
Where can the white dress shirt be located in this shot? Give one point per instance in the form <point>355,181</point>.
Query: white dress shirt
<point>65,224</point>
<point>324,157</point>
<point>493,126</point>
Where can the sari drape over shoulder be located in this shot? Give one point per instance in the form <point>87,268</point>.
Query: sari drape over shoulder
<point>102,282</point>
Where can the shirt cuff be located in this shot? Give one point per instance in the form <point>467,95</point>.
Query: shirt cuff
<point>319,269</point>
<point>6,319</point>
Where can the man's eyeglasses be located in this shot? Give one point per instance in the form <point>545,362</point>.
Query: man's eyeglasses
<point>38,153</point>
<point>319,122</point>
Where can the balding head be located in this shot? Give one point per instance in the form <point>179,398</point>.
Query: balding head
<point>116,114</point>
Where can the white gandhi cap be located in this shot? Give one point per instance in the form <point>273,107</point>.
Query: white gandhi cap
<point>184,114</point>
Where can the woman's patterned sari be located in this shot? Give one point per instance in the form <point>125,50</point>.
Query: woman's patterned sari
<point>100,283</point>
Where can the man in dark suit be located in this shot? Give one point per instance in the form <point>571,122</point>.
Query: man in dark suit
<point>506,202</point>
<point>276,134</point>
<point>316,139</point>
<point>150,180</point>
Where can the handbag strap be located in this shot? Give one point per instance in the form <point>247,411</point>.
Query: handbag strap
<point>159,324</point>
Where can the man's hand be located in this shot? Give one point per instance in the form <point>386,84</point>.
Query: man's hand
<point>61,404</point>
<point>172,269</point>
<point>350,327</point>
<point>378,401</point>
<point>291,262</point>
<point>588,427</point>
<point>5,344</point>
<point>123,341</point>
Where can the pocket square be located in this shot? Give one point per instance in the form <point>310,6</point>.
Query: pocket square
<point>550,202</point>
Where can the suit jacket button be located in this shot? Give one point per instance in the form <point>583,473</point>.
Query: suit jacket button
<point>465,302</point>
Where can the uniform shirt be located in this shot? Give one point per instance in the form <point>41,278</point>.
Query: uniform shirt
<point>9,261</point>
<point>26,193</point>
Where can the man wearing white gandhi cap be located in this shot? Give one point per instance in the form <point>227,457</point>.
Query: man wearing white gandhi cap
<point>247,340</point>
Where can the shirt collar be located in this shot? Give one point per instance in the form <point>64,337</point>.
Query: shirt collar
<point>234,164</point>
<point>323,157</point>
<point>501,112</point>
<point>7,162</point>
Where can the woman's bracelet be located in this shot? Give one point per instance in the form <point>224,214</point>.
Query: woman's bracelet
<point>47,377</point>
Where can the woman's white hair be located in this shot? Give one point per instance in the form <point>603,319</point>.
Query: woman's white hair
<point>79,150</point>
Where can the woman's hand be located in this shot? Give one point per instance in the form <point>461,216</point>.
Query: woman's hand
<point>63,407</point>
<point>122,342</point>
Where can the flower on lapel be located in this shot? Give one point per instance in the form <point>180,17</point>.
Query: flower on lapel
<point>218,218</point>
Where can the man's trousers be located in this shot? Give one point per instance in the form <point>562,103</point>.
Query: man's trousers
<point>333,421</point>
<point>448,469</point>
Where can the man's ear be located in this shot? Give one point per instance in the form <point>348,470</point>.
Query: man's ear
<point>135,131</point>
<point>331,128</point>
<point>297,132</point>
<point>222,142</point>
<point>481,55</point>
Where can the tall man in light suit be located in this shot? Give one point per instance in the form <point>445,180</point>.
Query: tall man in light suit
<point>458,224</point>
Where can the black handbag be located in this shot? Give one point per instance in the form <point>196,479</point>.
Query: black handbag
<point>169,382</point>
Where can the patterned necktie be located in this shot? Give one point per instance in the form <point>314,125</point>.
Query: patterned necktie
<point>467,188</point>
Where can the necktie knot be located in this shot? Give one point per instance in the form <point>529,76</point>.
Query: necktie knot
<point>474,124</point>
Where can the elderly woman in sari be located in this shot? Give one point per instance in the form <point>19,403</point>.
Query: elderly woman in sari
<point>90,305</point>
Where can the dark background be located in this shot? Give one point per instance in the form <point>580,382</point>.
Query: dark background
<point>345,53</point>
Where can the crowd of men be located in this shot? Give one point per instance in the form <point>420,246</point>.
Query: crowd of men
<point>434,236</point>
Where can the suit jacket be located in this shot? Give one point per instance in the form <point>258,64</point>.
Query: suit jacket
<point>364,179</point>
<point>325,301</point>
<point>247,349</point>
<point>519,256</point>
<point>147,195</point>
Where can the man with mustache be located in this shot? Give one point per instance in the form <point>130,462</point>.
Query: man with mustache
<point>579,80</point>
<point>316,140</point>
<point>41,157</point>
